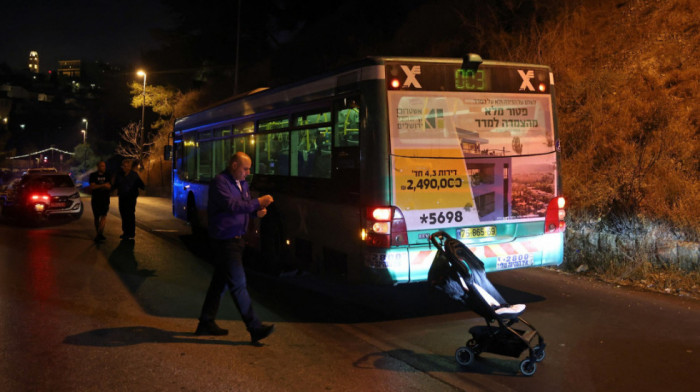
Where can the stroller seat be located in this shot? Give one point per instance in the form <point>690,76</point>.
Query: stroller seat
<point>505,310</point>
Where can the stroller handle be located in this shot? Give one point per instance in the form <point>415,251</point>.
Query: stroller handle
<point>438,238</point>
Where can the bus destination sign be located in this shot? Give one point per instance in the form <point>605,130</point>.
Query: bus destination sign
<point>450,77</point>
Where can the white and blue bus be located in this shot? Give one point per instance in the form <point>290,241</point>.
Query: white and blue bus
<point>366,162</point>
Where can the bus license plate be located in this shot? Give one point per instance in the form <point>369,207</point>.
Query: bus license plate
<point>515,261</point>
<point>478,232</point>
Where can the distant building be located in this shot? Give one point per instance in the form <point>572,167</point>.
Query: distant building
<point>33,64</point>
<point>69,68</point>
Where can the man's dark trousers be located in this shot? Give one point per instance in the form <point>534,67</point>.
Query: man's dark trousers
<point>127,210</point>
<point>229,275</point>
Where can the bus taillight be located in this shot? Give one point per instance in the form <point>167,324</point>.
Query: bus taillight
<point>554,220</point>
<point>382,214</point>
<point>385,227</point>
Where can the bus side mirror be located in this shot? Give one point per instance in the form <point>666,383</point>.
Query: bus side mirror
<point>167,150</point>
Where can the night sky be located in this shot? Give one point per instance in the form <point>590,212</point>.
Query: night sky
<point>111,31</point>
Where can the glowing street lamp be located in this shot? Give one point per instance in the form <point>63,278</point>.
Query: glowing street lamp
<point>84,131</point>
<point>143,106</point>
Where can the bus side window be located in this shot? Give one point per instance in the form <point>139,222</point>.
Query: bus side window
<point>272,154</point>
<point>243,141</point>
<point>311,153</point>
<point>190,156</point>
<point>204,161</point>
<point>347,123</point>
<point>178,155</point>
<point>220,155</point>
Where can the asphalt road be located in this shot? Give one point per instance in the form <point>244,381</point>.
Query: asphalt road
<point>120,316</point>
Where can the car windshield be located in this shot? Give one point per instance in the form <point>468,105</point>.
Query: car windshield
<point>48,182</point>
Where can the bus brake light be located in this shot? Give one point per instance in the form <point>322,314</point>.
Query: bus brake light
<point>382,214</point>
<point>554,219</point>
<point>386,227</point>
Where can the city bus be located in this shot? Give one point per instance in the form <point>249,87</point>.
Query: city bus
<point>365,162</point>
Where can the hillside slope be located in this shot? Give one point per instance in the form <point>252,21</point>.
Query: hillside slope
<point>628,80</point>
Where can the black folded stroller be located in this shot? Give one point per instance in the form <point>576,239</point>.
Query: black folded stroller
<point>458,273</point>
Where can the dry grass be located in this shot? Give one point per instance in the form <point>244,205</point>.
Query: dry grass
<point>646,276</point>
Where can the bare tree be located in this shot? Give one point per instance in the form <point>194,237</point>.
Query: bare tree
<point>130,145</point>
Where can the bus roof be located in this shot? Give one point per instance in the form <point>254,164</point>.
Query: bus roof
<point>318,86</point>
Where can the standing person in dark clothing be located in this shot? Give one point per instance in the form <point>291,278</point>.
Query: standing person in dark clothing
<point>127,183</point>
<point>100,187</point>
<point>230,208</point>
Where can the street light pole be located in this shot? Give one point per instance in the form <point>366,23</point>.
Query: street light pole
<point>143,109</point>
<point>84,131</point>
<point>238,37</point>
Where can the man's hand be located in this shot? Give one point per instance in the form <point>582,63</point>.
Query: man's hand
<point>262,212</point>
<point>265,201</point>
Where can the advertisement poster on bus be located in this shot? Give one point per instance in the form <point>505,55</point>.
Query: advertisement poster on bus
<point>461,159</point>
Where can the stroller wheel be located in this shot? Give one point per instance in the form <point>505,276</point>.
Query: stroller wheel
<point>539,353</point>
<point>464,356</point>
<point>527,367</point>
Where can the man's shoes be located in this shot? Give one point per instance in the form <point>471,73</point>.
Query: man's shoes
<point>210,328</point>
<point>260,333</point>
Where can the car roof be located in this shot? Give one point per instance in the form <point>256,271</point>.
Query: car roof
<point>42,170</point>
<point>33,176</point>
<point>48,174</point>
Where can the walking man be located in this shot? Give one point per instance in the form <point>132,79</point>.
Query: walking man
<point>127,183</point>
<point>100,187</point>
<point>230,208</point>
